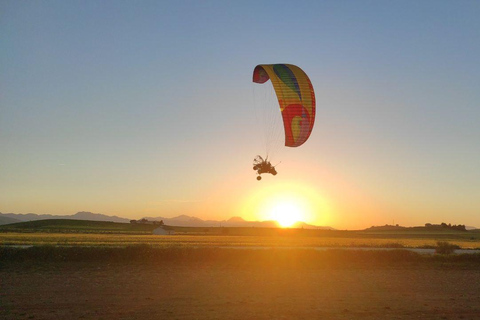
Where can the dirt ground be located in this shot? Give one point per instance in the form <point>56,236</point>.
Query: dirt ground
<point>168,291</point>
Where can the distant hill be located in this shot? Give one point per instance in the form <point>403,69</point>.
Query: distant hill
<point>7,220</point>
<point>106,227</point>
<point>78,226</point>
<point>385,228</point>
<point>303,225</point>
<point>427,228</point>
<point>19,217</point>
<point>180,221</point>
<point>188,221</point>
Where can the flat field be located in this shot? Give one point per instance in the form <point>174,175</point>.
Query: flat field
<point>78,270</point>
<point>186,240</point>
<point>143,282</point>
<point>95,233</point>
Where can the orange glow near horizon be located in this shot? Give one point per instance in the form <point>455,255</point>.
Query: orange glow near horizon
<point>286,213</point>
<point>287,204</point>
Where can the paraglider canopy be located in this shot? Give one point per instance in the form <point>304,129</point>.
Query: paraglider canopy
<point>296,99</point>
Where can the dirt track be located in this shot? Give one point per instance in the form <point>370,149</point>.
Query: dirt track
<point>169,291</point>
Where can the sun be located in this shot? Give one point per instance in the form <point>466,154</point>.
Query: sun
<point>287,203</point>
<point>286,213</point>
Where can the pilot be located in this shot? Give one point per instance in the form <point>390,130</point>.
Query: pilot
<point>263,166</point>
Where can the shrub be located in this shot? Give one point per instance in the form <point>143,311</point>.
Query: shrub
<point>444,247</point>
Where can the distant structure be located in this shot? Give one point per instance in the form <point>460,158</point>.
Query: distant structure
<point>161,231</point>
<point>386,227</point>
<point>460,227</point>
<point>145,221</point>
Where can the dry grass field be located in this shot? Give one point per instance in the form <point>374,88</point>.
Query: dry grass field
<point>94,274</point>
<point>115,240</point>
<point>211,283</point>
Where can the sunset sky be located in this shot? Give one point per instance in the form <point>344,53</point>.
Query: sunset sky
<point>146,108</point>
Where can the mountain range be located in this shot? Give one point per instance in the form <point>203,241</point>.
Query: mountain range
<point>19,217</point>
<point>179,221</point>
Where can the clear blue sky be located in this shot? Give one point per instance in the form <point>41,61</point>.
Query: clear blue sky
<point>144,108</point>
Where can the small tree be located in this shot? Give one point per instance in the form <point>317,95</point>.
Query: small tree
<point>443,247</point>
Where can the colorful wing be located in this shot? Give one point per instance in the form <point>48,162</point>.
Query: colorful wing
<point>295,96</point>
